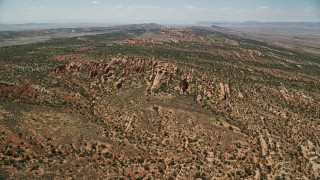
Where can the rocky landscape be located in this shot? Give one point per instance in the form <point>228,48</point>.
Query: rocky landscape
<point>158,103</point>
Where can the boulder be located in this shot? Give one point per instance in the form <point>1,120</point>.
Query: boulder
<point>183,85</point>
<point>118,84</point>
<point>162,77</point>
<point>240,95</point>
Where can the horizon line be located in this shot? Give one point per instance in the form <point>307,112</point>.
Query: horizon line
<point>198,22</point>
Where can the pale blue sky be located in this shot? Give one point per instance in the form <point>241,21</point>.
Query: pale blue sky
<point>161,11</point>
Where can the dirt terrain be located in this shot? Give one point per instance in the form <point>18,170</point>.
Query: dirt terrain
<point>296,36</point>
<point>158,103</point>
<point>11,35</point>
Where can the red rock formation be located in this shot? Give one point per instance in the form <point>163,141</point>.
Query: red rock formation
<point>224,91</point>
<point>59,68</point>
<point>173,39</point>
<point>93,66</point>
<point>252,53</point>
<point>231,42</point>
<point>69,57</point>
<point>93,73</point>
<point>110,73</point>
<point>118,84</point>
<point>74,66</point>
<point>142,41</point>
<point>227,91</point>
<point>164,74</point>
<point>104,78</point>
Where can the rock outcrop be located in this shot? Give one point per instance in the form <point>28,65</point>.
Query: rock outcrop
<point>160,79</point>
<point>231,42</point>
<point>118,84</point>
<point>59,68</point>
<point>93,73</point>
<point>224,91</point>
<point>74,66</point>
<point>163,75</point>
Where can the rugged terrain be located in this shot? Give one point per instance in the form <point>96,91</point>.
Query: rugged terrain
<point>151,102</point>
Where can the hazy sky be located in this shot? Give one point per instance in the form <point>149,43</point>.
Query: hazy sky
<point>160,11</point>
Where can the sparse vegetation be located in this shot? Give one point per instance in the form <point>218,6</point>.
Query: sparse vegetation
<point>203,104</point>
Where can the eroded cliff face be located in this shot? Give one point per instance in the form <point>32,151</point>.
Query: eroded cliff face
<point>159,76</point>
